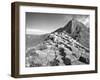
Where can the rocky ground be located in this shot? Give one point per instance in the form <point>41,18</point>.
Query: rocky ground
<point>58,49</point>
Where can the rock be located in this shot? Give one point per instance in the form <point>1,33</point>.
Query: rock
<point>62,53</point>
<point>68,47</point>
<point>84,60</point>
<point>71,57</point>
<point>54,63</point>
<point>66,61</point>
<point>76,52</point>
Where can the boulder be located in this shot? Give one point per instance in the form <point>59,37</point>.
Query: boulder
<point>66,61</point>
<point>84,59</point>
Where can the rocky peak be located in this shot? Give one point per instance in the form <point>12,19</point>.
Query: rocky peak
<point>77,30</point>
<point>61,47</point>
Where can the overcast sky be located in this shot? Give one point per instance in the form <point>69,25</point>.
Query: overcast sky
<point>45,23</point>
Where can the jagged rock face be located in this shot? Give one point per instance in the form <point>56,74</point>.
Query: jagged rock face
<point>58,49</point>
<point>76,30</point>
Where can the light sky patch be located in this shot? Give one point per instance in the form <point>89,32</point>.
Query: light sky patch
<point>41,23</point>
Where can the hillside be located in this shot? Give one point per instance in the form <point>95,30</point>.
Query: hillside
<point>59,48</point>
<point>33,40</point>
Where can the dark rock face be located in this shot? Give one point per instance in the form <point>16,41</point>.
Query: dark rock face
<point>61,47</point>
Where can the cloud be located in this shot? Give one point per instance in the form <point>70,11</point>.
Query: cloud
<point>35,31</point>
<point>84,20</point>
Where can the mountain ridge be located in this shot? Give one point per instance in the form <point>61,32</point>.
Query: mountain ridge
<point>76,30</point>
<point>59,48</point>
